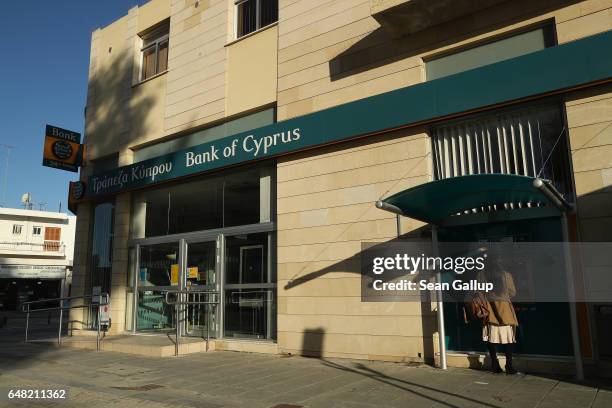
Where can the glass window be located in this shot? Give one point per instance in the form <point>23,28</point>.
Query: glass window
<point>159,265</point>
<point>36,231</point>
<point>235,198</point>
<point>503,49</point>
<point>105,163</point>
<point>201,264</point>
<point>243,124</point>
<point>17,229</point>
<point>254,14</point>
<point>269,12</point>
<point>101,256</point>
<point>153,313</point>
<point>526,140</point>
<point>155,51</point>
<point>246,259</point>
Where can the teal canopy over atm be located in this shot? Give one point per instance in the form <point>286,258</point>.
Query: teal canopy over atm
<point>436,201</point>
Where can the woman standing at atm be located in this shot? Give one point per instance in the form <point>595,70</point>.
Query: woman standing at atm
<point>499,326</point>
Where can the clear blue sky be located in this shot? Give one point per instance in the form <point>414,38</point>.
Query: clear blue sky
<point>43,79</point>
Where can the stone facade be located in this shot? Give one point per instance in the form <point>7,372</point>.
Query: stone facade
<point>319,55</point>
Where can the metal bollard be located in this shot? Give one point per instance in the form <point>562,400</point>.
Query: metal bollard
<point>61,316</point>
<point>207,325</point>
<point>176,324</point>
<point>98,335</point>
<point>27,323</point>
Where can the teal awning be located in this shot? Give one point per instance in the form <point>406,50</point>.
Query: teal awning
<point>436,201</point>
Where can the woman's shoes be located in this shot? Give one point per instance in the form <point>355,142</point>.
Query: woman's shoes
<point>512,371</point>
<point>495,367</point>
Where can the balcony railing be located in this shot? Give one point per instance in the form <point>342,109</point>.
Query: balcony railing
<point>50,247</point>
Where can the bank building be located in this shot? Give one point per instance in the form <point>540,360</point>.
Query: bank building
<point>320,125</point>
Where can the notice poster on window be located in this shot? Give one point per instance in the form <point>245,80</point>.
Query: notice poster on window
<point>174,273</point>
<point>192,272</point>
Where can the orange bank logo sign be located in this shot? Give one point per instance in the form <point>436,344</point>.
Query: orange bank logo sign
<point>62,149</point>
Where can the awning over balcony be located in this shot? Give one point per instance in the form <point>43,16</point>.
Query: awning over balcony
<point>436,201</point>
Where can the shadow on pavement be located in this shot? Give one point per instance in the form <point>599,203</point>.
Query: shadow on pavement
<point>404,385</point>
<point>42,337</point>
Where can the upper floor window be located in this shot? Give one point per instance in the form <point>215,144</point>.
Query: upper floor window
<point>17,229</point>
<point>490,52</point>
<point>232,127</point>
<point>53,233</point>
<point>52,238</point>
<point>155,51</point>
<point>251,15</point>
<point>36,231</point>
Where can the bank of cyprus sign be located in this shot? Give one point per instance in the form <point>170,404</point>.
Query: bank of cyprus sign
<point>208,156</point>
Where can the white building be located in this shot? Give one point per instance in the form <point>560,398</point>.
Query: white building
<point>36,253</point>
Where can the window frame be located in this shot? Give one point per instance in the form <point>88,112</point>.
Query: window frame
<point>153,40</point>
<point>17,229</point>
<point>258,25</point>
<point>34,228</point>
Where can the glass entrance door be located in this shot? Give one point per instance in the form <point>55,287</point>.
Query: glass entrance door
<point>201,274</point>
<point>250,287</point>
<point>158,272</point>
<point>238,268</point>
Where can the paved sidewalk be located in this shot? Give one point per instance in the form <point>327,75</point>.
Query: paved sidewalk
<point>227,379</point>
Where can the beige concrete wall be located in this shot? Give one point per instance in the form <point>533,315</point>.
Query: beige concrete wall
<point>252,72</point>
<point>334,52</point>
<point>325,211</point>
<point>80,263</point>
<point>152,12</point>
<point>121,112</point>
<point>147,104</point>
<point>107,121</point>
<point>195,91</point>
<point>589,117</point>
<point>119,271</point>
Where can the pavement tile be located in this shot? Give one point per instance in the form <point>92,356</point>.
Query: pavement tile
<point>229,379</point>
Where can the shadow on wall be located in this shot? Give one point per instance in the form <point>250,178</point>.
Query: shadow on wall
<point>384,46</point>
<point>117,112</point>
<point>312,342</point>
<point>352,265</point>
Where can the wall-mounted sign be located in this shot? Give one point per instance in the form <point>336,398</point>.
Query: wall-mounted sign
<point>76,190</point>
<point>33,271</point>
<point>105,315</point>
<point>63,149</point>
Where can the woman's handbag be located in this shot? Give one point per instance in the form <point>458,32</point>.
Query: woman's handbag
<point>478,307</point>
